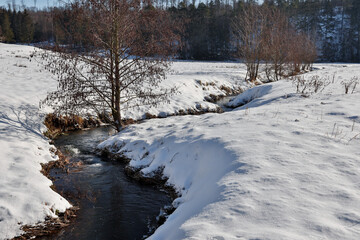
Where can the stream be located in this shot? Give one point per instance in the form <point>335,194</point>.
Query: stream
<point>223,101</point>
<point>112,205</point>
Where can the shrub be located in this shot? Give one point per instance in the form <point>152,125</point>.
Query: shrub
<point>309,86</point>
<point>350,85</point>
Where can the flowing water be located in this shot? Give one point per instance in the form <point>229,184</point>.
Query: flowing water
<point>112,206</point>
<point>223,101</point>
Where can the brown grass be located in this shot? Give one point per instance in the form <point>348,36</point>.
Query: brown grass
<point>57,124</point>
<point>50,226</point>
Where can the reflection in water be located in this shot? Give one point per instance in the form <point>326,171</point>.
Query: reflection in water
<point>112,206</point>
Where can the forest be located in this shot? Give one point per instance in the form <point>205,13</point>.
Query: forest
<point>333,25</point>
<point>180,119</point>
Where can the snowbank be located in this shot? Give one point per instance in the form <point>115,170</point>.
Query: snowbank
<point>196,82</point>
<point>25,194</point>
<point>282,166</point>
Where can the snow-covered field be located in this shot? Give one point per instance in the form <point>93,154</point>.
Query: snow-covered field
<point>283,166</point>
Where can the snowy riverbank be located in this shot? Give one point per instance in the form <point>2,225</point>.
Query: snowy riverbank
<point>281,167</point>
<point>25,194</point>
<point>284,166</point>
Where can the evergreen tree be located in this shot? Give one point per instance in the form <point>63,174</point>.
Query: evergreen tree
<point>27,28</point>
<point>309,10</point>
<point>355,30</point>
<point>329,41</point>
<point>199,32</point>
<point>219,32</point>
<point>16,24</point>
<point>6,28</point>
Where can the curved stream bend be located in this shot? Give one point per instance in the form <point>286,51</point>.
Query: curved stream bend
<point>112,206</point>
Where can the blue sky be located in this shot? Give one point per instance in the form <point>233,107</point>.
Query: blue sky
<point>31,3</point>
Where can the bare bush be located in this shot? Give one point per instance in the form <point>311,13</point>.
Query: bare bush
<point>302,53</point>
<point>350,85</point>
<point>312,85</point>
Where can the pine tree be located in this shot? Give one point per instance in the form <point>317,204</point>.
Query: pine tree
<point>27,28</point>
<point>328,31</point>
<point>199,33</point>
<point>355,30</point>
<point>309,11</point>
<point>6,28</point>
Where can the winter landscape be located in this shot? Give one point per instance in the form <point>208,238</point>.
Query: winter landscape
<point>273,155</point>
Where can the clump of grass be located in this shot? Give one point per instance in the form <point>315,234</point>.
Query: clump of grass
<point>20,65</point>
<point>57,124</point>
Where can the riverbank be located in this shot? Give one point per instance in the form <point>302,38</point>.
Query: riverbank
<point>26,197</point>
<point>112,205</point>
<point>285,162</point>
<point>283,166</point>
<point>25,194</point>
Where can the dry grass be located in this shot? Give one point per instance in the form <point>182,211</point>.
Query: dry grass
<point>57,124</point>
<point>50,226</point>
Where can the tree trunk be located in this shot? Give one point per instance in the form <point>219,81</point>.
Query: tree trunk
<point>115,35</point>
<point>117,116</point>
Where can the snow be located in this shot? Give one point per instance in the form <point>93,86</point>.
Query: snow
<point>282,166</point>
<point>25,194</point>
<point>195,82</point>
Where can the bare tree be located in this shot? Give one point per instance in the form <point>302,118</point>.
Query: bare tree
<point>117,60</point>
<point>309,55</point>
<point>264,35</point>
<point>301,54</point>
<point>276,43</point>
<point>248,28</point>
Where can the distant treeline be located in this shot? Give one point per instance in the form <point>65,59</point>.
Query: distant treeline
<point>26,26</point>
<point>333,24</point>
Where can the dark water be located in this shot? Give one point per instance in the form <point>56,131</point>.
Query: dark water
<point>112,206</point>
